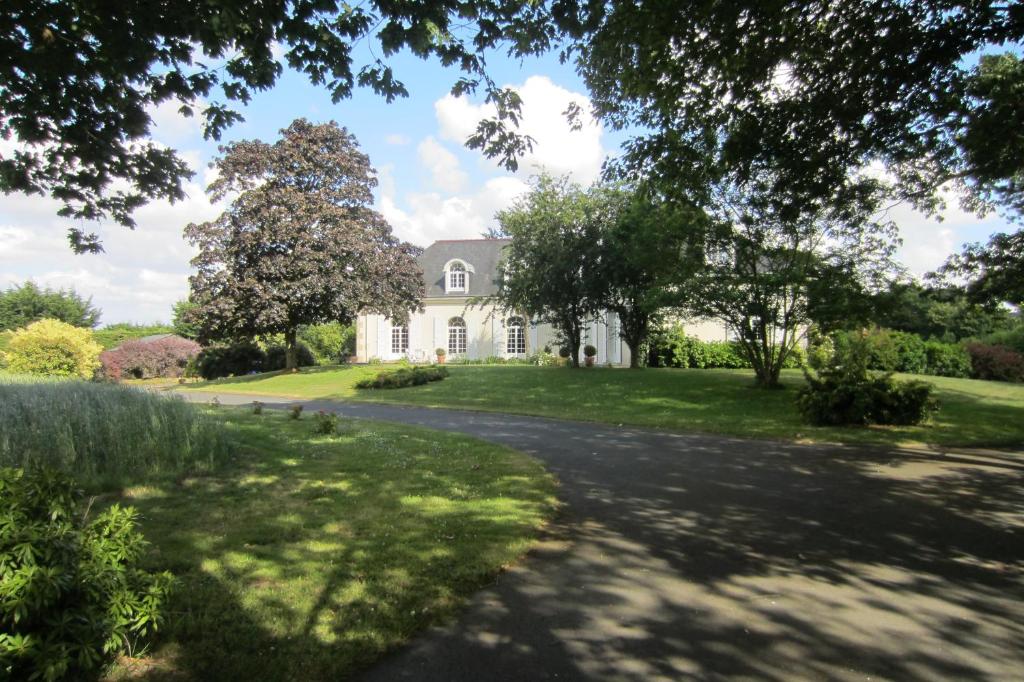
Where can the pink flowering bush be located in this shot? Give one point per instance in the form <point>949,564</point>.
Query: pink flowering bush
<point>166,357</point>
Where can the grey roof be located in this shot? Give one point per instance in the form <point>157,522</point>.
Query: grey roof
<point>482,255</point>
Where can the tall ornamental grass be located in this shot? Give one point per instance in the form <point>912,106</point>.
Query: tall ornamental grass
<point>104,434</point>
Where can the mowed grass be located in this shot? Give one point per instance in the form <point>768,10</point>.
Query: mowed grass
<point>306,557</point>
<point>972,413</point>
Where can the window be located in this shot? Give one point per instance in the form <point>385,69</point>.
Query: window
<point>399,339</point>
<point>457,277</point>
<point>456,336</point>
<point>515,337</point>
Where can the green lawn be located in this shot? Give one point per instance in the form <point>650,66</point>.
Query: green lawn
<point>308,556</point>
<point>973,413</point>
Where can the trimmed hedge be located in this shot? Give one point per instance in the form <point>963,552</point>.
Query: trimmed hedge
<point>402,378</point>
<point>676,349</point>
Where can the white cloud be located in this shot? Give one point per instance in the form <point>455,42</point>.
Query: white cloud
<point>139,276</point>
<point>929,241</point>
<point>171,127</point>
<point>430,216</point>
<point>557,148</point>
<point>442,164</point>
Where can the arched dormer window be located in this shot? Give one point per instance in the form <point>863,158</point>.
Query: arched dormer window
<point>515,336</point>
<point>456,336</point>
<point>456,276</point>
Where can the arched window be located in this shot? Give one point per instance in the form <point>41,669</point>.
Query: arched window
<point>515,337</point>
<point>399,339</point>
<point>457,277</point>
<point>456,336</point>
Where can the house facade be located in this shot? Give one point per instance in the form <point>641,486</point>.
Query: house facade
<point>456,272</point>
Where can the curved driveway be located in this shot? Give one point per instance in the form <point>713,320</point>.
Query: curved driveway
<point>702,557</point>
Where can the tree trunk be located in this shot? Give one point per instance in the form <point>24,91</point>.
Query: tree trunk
<point>290,354</point>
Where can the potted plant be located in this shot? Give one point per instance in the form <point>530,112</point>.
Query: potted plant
<point>590,352</point>
<point>441,352</point>
<point>564,354</point>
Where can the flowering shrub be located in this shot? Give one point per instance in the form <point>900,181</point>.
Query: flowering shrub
<point>996,363</point>
<point>166,357</point>
<point>53,348</point>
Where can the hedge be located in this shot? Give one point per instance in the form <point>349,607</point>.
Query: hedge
<point>53,348</point>
<point>402,378</point>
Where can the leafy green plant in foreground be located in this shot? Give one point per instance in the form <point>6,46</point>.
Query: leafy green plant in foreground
<point>71,594</point>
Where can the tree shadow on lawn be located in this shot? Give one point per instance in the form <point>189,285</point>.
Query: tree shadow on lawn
<point>274,584</point>
<point>711,559</point>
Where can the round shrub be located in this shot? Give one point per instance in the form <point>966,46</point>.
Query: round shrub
<point>589,351</point>
<point>275,357</point>
<point>53,348</point>
<point>564,352</point>
<point>72,596</point>
<point>947,359</point>
<point>166,357</point>
<point>995,363</point>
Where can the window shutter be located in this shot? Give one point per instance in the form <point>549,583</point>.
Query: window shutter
<point>440,335</point>
<point>383,338</point>
<point>534,339</point>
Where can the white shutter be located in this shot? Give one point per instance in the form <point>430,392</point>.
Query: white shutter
<point>534,338</point>
<point>614,338</point>
<point>602,339</point>
<point>440,335</point>
<point>383,338</point>
<point>414,336</point>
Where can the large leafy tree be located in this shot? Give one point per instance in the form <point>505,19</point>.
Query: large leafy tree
<point>79,79</point>
<point>769,266</point>
<point>649,249</point>
<point>548,269</point>
<point>25,303</point>
<point>994,272</point>
<point>300,242</point>
<point>813,89</point>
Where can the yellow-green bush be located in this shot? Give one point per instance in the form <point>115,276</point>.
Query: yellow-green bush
<point>53,348</point>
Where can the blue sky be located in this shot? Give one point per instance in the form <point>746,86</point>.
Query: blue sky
<point>431,187</point>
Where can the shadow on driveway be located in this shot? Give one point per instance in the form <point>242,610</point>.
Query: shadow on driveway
<point>716,558</point>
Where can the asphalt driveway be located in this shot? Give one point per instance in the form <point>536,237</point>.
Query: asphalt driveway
<point>683,556</point>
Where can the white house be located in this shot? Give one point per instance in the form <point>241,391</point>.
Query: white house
<point>458,270</point>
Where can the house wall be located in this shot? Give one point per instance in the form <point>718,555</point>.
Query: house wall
<point>485,334</point>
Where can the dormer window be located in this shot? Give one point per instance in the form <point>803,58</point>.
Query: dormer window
<point>456,277</point>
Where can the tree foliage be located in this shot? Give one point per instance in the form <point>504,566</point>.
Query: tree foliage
<point>814,89</point>
<point>768,266</point>
<point>994,272</point>
<point>300,242</point>
<point>648,251</point>
<point>549,267</point>
<point>181,315</point>
<point>78,83</point>
<point>25,303</point>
